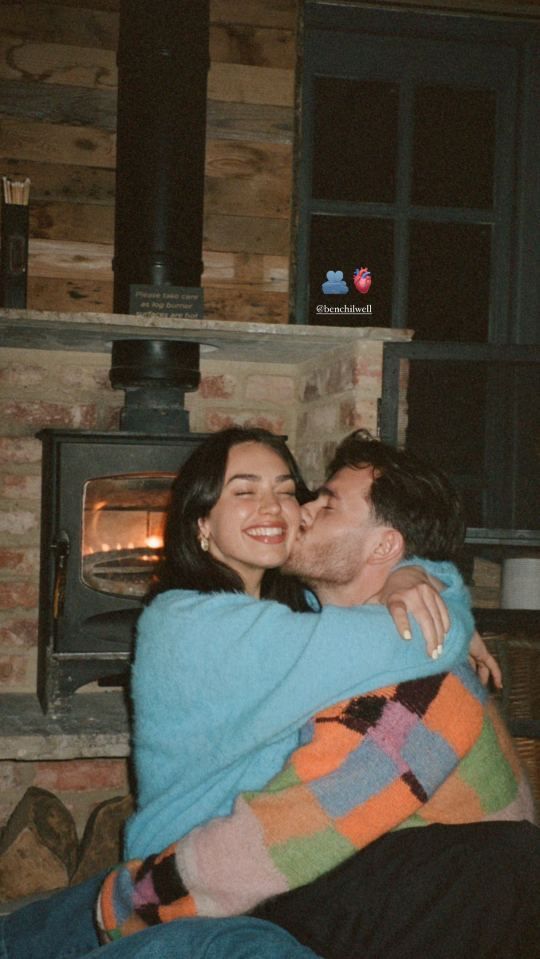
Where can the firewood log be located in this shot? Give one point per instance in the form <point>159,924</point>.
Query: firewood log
<point>39,846</point>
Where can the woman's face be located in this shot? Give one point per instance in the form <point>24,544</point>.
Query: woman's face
<point>256,518</point>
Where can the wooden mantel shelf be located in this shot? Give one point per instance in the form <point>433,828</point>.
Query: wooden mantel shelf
<point>247,342</point>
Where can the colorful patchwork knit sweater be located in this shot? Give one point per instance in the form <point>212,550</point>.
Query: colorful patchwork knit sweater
<point>423,751</point>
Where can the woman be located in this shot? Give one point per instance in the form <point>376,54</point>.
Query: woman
<point>219,694</point>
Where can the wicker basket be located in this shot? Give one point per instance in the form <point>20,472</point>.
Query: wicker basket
<point>519,658</point>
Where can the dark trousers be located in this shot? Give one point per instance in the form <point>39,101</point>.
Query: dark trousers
<point>435,892</point>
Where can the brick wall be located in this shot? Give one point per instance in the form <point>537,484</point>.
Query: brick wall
<point>336,398</point>
<point>37,388</point>
<point>313,405</point>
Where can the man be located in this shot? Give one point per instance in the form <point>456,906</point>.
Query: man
<point>351,784</point>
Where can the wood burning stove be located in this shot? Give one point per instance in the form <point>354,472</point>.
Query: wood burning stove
<point>104,503</point>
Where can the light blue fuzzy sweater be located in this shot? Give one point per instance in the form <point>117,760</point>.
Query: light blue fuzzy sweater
<point>223,684</point>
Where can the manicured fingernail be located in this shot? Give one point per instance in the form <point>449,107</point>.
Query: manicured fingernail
<point>435,653</point>
<point>439,649</point>
<point>407,634</point>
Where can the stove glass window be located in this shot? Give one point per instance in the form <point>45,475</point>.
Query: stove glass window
<point>123,525</point>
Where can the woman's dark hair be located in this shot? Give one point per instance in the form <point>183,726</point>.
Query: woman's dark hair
<point>194,492</point>
<point>408,494</point>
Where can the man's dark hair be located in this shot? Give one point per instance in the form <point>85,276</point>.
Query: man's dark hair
<point>408,494</point>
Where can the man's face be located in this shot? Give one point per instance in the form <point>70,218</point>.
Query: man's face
<point>338,530</point>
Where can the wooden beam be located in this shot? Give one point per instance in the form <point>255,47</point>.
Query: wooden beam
<point>48,63</point>
<point>71,260</point>
<point>249,270</point>
<point>62,182</point>
<point>113,5</point>
<point>57,143</point>
<point>95,296</point>
<point>84,222</point>
<point>243,179</point>
<point>80,260</point>
<point>256,196</point>
<point>89,107</point>
<point>247,179</point>
<point>57,63</point>
<point>246,234</point>
<point>245,306</point>
<point>245,160</point>
<point>27,54</point>
<point>65,295</point>
<point>248,84</point>
<point>249,121</point>
<point>95,24</point>
<point>91,223</point>
<point>256,46</point>
<point>56,23</point>
<point>58,104</point>
<point>262,13</point>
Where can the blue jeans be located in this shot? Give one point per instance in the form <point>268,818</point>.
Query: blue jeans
<point>62,927</point>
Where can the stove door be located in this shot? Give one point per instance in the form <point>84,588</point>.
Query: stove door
<point>104,503</point>
<point>123,529</point>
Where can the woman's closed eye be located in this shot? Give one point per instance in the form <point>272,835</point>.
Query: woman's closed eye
<point>283,494</point>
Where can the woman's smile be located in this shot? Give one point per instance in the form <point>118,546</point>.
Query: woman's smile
<point>268,534</point>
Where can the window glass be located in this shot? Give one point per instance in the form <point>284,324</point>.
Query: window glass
<point>449,281</point>
<point>454,147</point>
<point>447,409</point>
<point>345,244</point>
<point>526,435</point>
<point>355,140</point>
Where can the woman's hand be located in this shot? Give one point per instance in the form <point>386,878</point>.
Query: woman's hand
<point>411,590</point>
<point>484,664</point>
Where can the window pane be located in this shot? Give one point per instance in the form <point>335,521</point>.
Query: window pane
<point>345,244</point>
<point>526,435</point>
<point>449,281</point>
<point>480,422</point>
<point>454,147</point>
<point>446,410</point>
<point>355,140</point>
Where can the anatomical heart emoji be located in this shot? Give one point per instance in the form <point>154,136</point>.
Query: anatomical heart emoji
<point>362,279</point>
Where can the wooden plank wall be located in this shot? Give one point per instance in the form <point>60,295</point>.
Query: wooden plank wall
<point>57,126</point>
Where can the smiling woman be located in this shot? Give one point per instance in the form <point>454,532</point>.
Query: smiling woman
<point>252,526</point>
<point>234,513</point>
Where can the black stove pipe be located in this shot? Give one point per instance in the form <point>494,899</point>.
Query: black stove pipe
<point>155,375</point>
<point>163,60</point>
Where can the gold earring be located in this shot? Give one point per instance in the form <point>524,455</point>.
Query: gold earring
<point>204,543</point>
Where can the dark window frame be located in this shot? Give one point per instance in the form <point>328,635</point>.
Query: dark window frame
<point>481,42</point>
<point>503,500</point>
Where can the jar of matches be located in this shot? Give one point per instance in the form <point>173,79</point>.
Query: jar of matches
<point>14,243</point>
